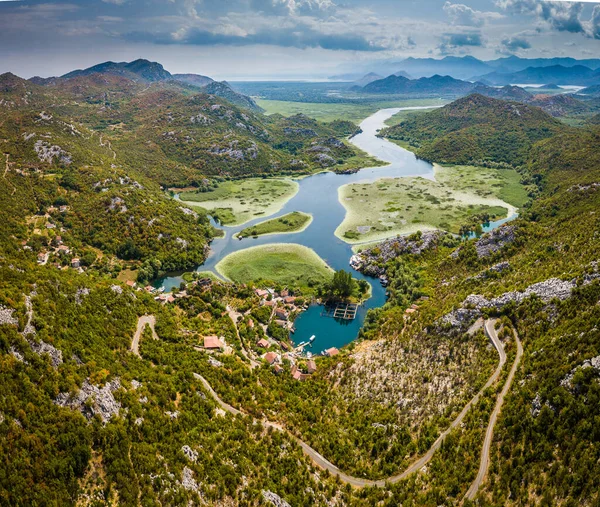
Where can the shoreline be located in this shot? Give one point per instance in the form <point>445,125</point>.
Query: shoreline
<point>302,229</point>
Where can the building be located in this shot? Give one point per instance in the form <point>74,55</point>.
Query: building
<point>63,250</point>
<point>281,314</point>
<point>270,357</point>
<point>213,343</point>
<point>289,300</point>
<point>332,352</point>
<point>250,323</point>
<point>261,293</point>
<point>410,310</point>
<point>42,257</point>
<point>277,369</point>
<point>130,283</point>
<point>75,263</point>
<point>263,343</point>
<point>270,303</point>
<point>311,366</point>
<point>149,289</point>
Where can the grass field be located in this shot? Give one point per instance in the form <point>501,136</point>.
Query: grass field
<point>382,209</point>
<point>237,202</point>
<point>295,221</point>
<point>287,264</point>
<point>333,111</point>
<point>485,182</point>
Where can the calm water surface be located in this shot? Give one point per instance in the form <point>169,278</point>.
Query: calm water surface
<point>318,195</point>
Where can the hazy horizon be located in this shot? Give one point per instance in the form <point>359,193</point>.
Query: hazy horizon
<point>285,39</point>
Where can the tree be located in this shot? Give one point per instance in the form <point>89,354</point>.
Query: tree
<point>342,285</point>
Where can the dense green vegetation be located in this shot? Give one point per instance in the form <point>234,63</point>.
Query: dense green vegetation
<point>295,221</point>
<point>477,130</point>
<point>369,410</point>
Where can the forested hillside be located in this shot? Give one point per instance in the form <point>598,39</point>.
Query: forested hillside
<point>88,417</point>
<point>476,130</point>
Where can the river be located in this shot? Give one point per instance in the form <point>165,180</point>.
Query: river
<point>318,195</point>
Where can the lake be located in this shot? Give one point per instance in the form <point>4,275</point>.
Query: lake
<point>318,195</point>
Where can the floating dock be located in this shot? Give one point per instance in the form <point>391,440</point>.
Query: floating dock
<point>344,311</point>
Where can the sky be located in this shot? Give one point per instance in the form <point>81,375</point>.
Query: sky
<point>285,39</point>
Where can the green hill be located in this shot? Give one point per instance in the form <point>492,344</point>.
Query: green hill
<point>475,130</point>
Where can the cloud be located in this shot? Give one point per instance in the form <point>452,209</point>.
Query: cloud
<point>464,15</point>
<point>514,43</point>
<point>561,16</point>
<point>301,37</point>
<point>454,42</point>
<point>595,23</point>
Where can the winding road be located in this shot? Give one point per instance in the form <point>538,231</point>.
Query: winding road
<point>358,482</point>
<point>149,320</point>
<point>489,434</point>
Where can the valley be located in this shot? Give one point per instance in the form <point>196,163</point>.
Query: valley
<point>213,298</point>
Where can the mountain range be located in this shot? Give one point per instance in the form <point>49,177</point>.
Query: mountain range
<point>460,67</point>
<point>555,74</point>
<point>145,71</point>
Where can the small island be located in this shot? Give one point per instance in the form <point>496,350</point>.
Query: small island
<point>293,222</point>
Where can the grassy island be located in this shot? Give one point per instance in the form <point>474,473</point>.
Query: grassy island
<point>237,202</point>
<point>286,264</point>
<point>296,221</point>
<point>387,207</point>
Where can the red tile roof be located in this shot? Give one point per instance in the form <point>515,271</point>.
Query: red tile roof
<point>332,352</point>
<point>270,357</point>
<point>212,342</point>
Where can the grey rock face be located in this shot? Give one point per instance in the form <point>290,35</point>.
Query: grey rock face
<point>92,400</point>
<point>274,499</point>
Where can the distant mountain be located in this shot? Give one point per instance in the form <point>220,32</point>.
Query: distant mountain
<point>138,69</point>
<point>475,129</point>
<point>193,79</point>
<point>515,64</point>
<point>551,87</point>
<point>146,72</point>
<point>507,92</point>
<point>436,85</point>
<point>403,74</point>
<point>457,67</point>
<point>555,74</point>
<point>592,91</point>
<point>368,78</point>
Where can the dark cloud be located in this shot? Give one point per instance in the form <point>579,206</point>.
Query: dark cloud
<point>595,23</point>
<point>561,16</point>
<point>301,37</point>
<point>455,42</point>
<point>512,44</point>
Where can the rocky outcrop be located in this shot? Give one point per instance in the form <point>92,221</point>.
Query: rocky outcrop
<point>190,453</point>
<point>188,481</point>
<point>6,316</point>
<point>473,305</point>
<point>567,382</point>
<point>42,347</point>
<point>92,400</point>
<point>371,261</point>
<point>47,153</point>
<point>492,242</point>
<point>274,499</point>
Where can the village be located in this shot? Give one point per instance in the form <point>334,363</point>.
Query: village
<point>278,309</point>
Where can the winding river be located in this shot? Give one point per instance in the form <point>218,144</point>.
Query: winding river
<point>318,195</point>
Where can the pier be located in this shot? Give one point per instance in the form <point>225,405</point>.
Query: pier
<point>345,311</point>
